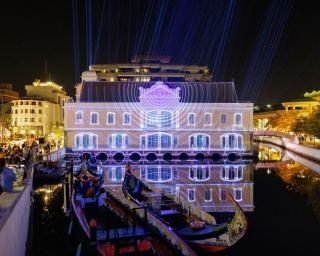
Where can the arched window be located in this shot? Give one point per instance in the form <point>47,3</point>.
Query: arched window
<point>158,173</point>
<point>199,173</point>
<point>231,173</point>
<point>94,118</point>
<point>160,119</point>
<point>79,117</point>
<point>86,141</point>
<point>116,174</point>
<point>110,118</point>
<point>231,141</point>
<point>156,140</point>
<point>199,141</point>
<point>118,140</point>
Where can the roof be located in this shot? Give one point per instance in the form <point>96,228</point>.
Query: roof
<point>103,91</point>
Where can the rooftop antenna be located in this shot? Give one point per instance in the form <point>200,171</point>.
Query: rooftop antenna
<point>45,70</point>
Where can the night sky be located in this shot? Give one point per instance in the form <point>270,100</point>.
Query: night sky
<point>270,48</point>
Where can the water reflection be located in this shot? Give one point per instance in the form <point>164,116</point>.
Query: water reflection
<point>201,184</point>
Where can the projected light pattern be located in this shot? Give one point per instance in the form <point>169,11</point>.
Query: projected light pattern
<point>158,116</point>
<point>201,184</point>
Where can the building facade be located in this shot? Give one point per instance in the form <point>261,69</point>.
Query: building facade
<point>40,110</point>
<point>158,117</point>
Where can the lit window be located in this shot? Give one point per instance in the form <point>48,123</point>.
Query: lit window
<point>127,118</point>
<point>158,173</point>
<point>231,141</point>
<point>208,195</point>
<point>199,173</point>
<point>159,119</point>
<point>191,119</point>
<point>238,194</point>
<point>79,117</point>
<point>207,119</point>
<point>238,119</point>
<point>191,195</point>
<point>86,141</point>
<point>118,140</point>
<point>110,118</point>
<point>199,141</point>
<point>116,174</point>
<point>94,118</point>
<point>223,118</point>
<point>156,140</point>
<point>231,173</point>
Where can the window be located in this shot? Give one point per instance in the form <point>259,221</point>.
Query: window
<point>127,118</point>
<point>208,195</point>
<point>191,195</point>
<point>94,118</point>
<point>238,119</point>
<point>158,173</point>
<point>40,120</point>
<point>86,141</point>
<point>156,140</point>
<point>39,103</point>
<point>110,118</point>
<point>223,196</point>
<point>118,140</point>
<point>21,102</point>
<point>32,111</point>
<point>223,118</point>
<point>27,102</point>
<point>191,119</point>
<point>33,103</point>
<point>199,173</point>
<point>40,111</point>
<point>199,141</point>
<point>26,111</point>
<point>207,119</point>
<point>21,111</point>
<point>231,141</point>
<point>26,119</point>
<point>232,173</point>
<point>32,120</point>
<point>237,194</point>
<point>79,117</point>
<point>159,119</point>
<point>116,174</point>
<point>16,111</point>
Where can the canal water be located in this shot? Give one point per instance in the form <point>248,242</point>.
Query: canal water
<point>282,204</point>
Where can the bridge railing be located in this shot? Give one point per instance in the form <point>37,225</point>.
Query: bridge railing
<point>273,133</point>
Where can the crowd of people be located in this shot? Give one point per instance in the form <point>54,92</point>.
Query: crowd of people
<point>14,161</point>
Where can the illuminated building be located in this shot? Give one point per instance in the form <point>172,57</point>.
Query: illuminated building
<point>158,116</point>
<point>40,110</point>
<point>300,108</point>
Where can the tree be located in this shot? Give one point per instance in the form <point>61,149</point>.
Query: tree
<point>283,121</point>
<point>312,124</point>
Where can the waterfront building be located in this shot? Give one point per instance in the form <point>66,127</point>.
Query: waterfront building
<point>40,110</point>
<point>158,116</point>
<point>299,108</point>
<point>7,94</point>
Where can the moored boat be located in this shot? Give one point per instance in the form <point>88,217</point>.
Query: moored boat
<point>200,232</point>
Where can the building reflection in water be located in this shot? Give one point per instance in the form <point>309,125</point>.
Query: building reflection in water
<point>203,185</point>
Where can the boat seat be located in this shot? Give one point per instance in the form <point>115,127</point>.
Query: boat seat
<point>168,212</point>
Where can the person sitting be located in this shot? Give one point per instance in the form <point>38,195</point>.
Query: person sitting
<point>7,176</point>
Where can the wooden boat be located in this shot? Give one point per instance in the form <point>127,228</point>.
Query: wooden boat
<point>198,232</point>
<point>106,232</point>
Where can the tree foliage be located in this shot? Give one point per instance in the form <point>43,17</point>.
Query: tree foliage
<point>283,121</point>
<point>310,125</point>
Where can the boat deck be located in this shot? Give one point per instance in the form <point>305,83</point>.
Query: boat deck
<point>121,233</point>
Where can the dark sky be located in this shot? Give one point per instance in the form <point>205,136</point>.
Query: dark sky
<point>271,48</point>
